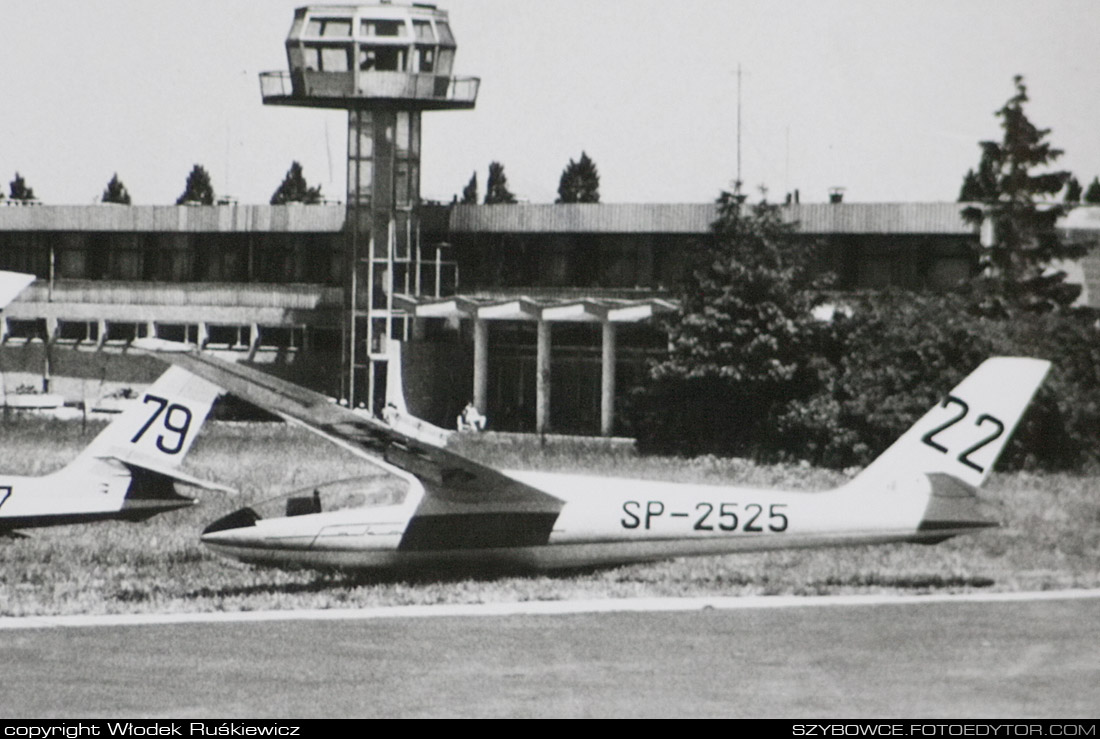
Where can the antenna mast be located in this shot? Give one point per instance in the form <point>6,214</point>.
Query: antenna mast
<point>739,124</point>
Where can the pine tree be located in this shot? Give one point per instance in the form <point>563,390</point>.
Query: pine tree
<point>970,190</point>
<point>1073,191</point>
<point>980,185</point>
<point>1092,195</point>
<point>1023,214</point>
<point>469,193</point>
<point>115,192</point>
<point>294,188</point>
<point>198,189</point>
<point>496,188</point>
<point>19,189</point>
<point>580,182</point>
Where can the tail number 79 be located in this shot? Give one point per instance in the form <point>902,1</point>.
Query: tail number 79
<point>174,418</point>
<point>963,409</point>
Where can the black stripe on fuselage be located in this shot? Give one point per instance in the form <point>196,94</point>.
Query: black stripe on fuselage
<point>477,531</point>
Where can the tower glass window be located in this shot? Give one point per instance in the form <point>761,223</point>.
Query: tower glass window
<point>445,36</point>
<point>326,58</point>
<point>382,58</point>
<point>381,28</point>
<point>329,27</point>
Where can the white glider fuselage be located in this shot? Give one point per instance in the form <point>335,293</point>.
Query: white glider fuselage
<point>447,511</point>
<point>128,472</point>
<point>67,496</point>
<point>607,521</point>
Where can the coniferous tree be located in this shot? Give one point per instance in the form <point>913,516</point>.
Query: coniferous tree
<point>19,190</point>
<point>115,192</point>
<point>580,182</point>
<point>1092,195</point>
<point>198,189</point>
<point>970,191</point>
<point>496,188</point>
<point>294,188</point>
<point>1073,191</point>
<point>469,193</point>
<point>1023,214</point>
<point>981,184</point>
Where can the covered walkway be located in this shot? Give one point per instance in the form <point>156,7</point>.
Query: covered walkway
<point>607,312</point>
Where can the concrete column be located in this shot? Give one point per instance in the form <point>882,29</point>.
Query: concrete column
<point>481,364</point>
<point>254,341</point>
<point>607,380</point>
<point>542,379</point>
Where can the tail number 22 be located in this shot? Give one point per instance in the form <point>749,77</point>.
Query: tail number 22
<point>174,417</point>
<point>963,409</point>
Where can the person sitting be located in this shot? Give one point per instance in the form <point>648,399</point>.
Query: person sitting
<point>471,419</point>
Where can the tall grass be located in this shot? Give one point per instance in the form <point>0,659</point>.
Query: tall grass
<point>1050,537</point>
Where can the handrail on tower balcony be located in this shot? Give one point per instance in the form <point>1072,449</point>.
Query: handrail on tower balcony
<point>389,85</point>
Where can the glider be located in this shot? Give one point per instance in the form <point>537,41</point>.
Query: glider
<point>128,471</point>
<point>435,509</point>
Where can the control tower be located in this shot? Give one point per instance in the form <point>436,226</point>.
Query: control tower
<point>384,64</point>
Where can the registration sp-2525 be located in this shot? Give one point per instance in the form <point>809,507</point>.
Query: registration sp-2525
<point>749,518</point>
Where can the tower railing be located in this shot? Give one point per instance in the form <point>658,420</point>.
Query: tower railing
<point>282,86</point>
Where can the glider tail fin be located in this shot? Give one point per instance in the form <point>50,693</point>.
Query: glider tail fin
<point>964,434</point>
<point>146,444</point>
<point>160,426</point>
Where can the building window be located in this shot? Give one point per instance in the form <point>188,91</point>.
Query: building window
<point>281,337</point>
<point>124,332</point>
<point>229,337</point>
<point>382,58</point>
<point>423,31</point>
<point>445,36</point>
<point>329,27</point>
<point>77,332</point>
<point>388,29</point>
<point>184,333</point>
<point>425,59</point>
<point>446,61</point>
<point>327,58</point>
<point>70,264</point>
<point>26,330</point>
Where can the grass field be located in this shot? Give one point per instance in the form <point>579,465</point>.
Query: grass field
<point>1050,538</point>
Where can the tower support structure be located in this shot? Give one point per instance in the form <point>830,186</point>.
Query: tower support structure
<point>384,64</point>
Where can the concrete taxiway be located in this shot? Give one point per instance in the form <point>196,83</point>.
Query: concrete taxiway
<point>968,656</point>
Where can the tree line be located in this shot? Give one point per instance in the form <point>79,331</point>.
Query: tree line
<point>767,361</point>
<point>198,190</point>
<point>579,183</point>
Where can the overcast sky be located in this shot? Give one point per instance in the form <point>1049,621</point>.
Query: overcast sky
<point>887,99</point>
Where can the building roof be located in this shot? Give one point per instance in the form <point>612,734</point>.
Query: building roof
<point>294,218</point>
<point>695,218</point>
<point>582,218</point>
<point>529,308</point>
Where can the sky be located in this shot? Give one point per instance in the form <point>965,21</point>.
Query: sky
<point>885,99</point>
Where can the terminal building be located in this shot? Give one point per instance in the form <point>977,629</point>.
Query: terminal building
<point>542,315</point>
<point>267,284</point>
